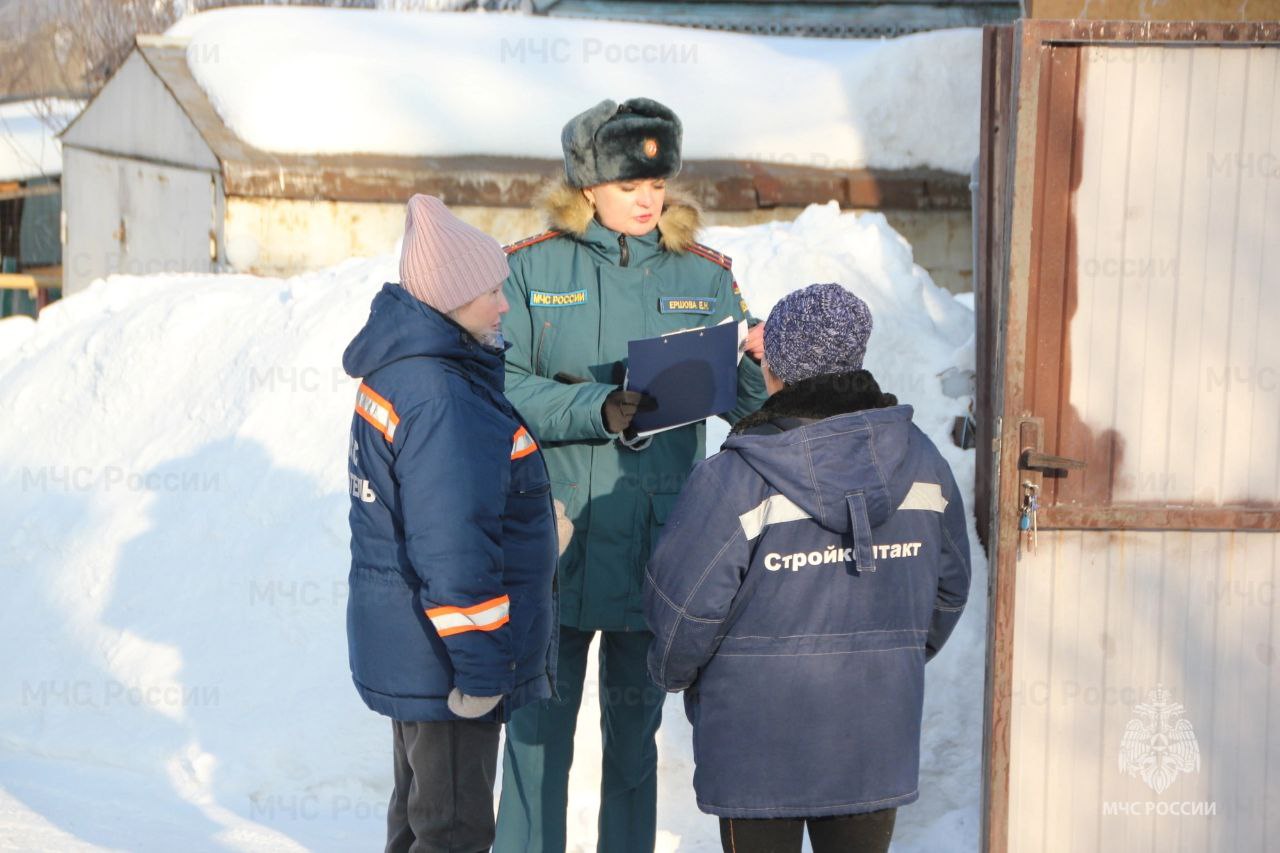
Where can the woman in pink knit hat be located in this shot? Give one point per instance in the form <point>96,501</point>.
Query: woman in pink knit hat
<point>453,538</point>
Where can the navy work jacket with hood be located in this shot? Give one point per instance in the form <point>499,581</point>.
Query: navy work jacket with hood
<point>805,575</point>
<point>453,541</point>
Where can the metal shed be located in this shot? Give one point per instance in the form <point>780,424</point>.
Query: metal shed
<point>155,181</point>
<point>1131,186</point>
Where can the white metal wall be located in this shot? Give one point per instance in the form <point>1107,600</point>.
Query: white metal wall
<point>126,216</point>
<point>1102,620</point>
<point>135,115</point>
<point>1174,345</point>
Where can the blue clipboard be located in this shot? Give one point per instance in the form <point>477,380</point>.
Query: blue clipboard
<point>691,375</point>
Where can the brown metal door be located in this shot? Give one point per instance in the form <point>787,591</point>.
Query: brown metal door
<point>1131,676</point>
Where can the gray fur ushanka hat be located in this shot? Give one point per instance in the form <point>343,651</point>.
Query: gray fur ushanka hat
<point>636,139</point>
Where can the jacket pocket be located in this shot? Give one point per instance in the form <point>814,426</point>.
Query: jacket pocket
<point>660,506</point>
<point>536,490</point>
<point>571,495</point>
<point>542,351</point>
<point>530,563</point>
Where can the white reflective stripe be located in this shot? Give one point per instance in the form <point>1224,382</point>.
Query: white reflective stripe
<point>454,621</point>
<point>380,414</point>
<point>772,510</point>
<point>523,442</point>
<point>924,496</point>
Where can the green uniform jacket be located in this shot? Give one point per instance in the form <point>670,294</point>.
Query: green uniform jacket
<point>575,303</point>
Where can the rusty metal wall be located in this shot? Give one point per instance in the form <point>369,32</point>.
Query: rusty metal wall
<point>1153,10</point>
<point>991,254</point>
<point>279,237</point>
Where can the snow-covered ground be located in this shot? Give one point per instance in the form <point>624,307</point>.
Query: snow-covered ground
<point>29,146</point>
<point>342,80</point>
<point>174,556</point>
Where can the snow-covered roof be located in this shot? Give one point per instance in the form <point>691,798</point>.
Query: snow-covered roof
<point>317,81</point>
<point>28,137</point>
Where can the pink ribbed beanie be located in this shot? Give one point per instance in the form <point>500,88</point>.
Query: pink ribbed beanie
<point>445,262</point>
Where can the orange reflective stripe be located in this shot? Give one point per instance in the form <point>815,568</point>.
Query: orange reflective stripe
<point>522,444</point>
<point>375,409</point>
<point>485,616</point>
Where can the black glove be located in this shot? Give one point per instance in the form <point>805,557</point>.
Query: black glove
<point>621,406</point>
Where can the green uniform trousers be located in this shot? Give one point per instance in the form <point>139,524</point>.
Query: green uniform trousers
<point>539,751</point>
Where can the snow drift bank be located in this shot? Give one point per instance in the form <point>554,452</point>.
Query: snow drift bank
<point>175,552</point>
<point>337,81</point>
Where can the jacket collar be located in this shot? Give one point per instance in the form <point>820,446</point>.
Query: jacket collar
<point>484,363</point>
<point>400,326</point>
<point>608,243</point>
<point>815,399</point>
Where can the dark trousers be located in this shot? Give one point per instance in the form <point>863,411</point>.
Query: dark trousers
<point>859,833</point>
<point>443,799</point>
<point>539,752</point>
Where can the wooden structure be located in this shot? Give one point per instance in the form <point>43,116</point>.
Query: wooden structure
<point>1128,299</point>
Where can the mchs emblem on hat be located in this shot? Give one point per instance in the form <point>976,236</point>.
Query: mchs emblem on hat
<point>651,148</point>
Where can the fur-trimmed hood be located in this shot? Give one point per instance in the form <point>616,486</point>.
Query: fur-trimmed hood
<point>825,438</point>
<point>568,210</point>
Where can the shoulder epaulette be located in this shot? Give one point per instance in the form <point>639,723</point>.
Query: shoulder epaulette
<point>530,241</point>
<point>711,255</point>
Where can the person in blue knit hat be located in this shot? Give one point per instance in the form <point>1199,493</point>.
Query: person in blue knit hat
<point>805,576</point>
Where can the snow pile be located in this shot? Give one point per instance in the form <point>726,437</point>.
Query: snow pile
<point>14,332</point>
<point>175,553</point>
<point>339,81</point>
<point>29,147</point>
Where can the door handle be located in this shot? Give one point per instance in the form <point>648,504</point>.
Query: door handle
<point>1032,457</point>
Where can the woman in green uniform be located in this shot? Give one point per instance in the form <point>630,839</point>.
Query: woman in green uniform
<point>619,263</point>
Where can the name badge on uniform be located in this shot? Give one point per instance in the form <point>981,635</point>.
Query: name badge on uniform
<point>687,305</point>
<point>543,299</point>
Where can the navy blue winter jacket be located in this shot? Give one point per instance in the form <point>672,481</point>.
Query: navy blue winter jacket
<point>453,541</point>
<point>804,577</point>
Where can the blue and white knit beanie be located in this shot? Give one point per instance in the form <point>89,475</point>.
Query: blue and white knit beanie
<point>819,329</point>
